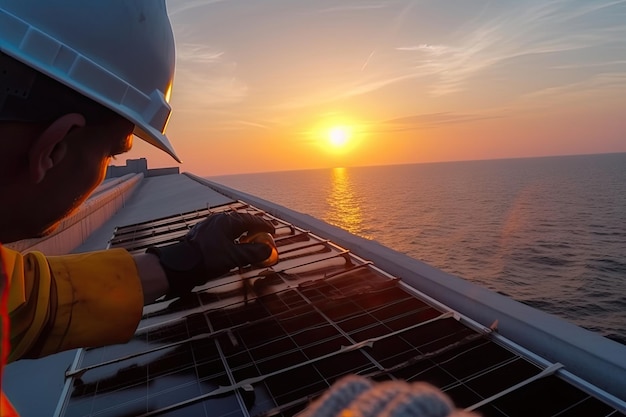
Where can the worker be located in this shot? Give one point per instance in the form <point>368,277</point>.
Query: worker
<point>77,80</point>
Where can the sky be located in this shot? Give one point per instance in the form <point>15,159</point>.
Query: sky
<point>279,85</point>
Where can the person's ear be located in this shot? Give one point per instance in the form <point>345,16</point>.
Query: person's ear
<point>49,148</point>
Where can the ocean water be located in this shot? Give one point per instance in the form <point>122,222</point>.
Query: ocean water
<point>549,232</point>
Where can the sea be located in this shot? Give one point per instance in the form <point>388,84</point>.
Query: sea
<point>549,232</point>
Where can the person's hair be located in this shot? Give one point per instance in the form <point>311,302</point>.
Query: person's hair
<point>26,95</point>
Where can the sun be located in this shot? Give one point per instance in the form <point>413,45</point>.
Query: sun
<point>338,136</point>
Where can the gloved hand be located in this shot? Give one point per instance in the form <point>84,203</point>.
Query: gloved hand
<point>209,250</point>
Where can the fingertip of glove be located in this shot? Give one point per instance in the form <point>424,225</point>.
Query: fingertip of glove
<point>262,250</point>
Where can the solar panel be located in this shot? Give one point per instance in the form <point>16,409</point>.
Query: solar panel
<point>267,341</point>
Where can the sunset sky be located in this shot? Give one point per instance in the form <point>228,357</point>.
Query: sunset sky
<point>265,85</point>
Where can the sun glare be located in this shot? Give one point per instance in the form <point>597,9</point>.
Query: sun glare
<point>338,136</point>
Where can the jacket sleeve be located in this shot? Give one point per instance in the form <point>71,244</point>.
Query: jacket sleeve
<point>63,302</point>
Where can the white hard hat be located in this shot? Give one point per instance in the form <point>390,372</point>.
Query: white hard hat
<point>119,53</point>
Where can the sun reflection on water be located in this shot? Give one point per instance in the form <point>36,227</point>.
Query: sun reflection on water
<point>344,203</point>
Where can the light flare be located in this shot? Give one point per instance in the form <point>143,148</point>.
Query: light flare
<point>338,136</point>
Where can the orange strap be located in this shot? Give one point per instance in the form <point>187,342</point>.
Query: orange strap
<point>6,409</point>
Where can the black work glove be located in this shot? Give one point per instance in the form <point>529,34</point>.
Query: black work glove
<point>209,250</point>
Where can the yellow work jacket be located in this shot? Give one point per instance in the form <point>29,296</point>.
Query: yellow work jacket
<point>58,303</point>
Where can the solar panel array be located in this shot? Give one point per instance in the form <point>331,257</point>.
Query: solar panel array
<point>267,341</point>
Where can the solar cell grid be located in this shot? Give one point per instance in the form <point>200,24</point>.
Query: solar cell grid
<point>548,396</point>
<point>151,237</point>
<point>267,341</point>
<point>152,230</point>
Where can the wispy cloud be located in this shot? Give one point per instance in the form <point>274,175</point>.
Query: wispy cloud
<point>535,33</point>
<point>509,41</point>
<point>609,63</point>
<point>215,92</point>
<point>247,123</point>
<point>198,54</point>
<point>206,78</point>
<point>176,7</point>
<point>353,7</point>
<point>529,29</point>
<point>431,120</point>
<point>340,92</point>
<point>606,84</point>
<point>367,61</point>
<point>435,50</point>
